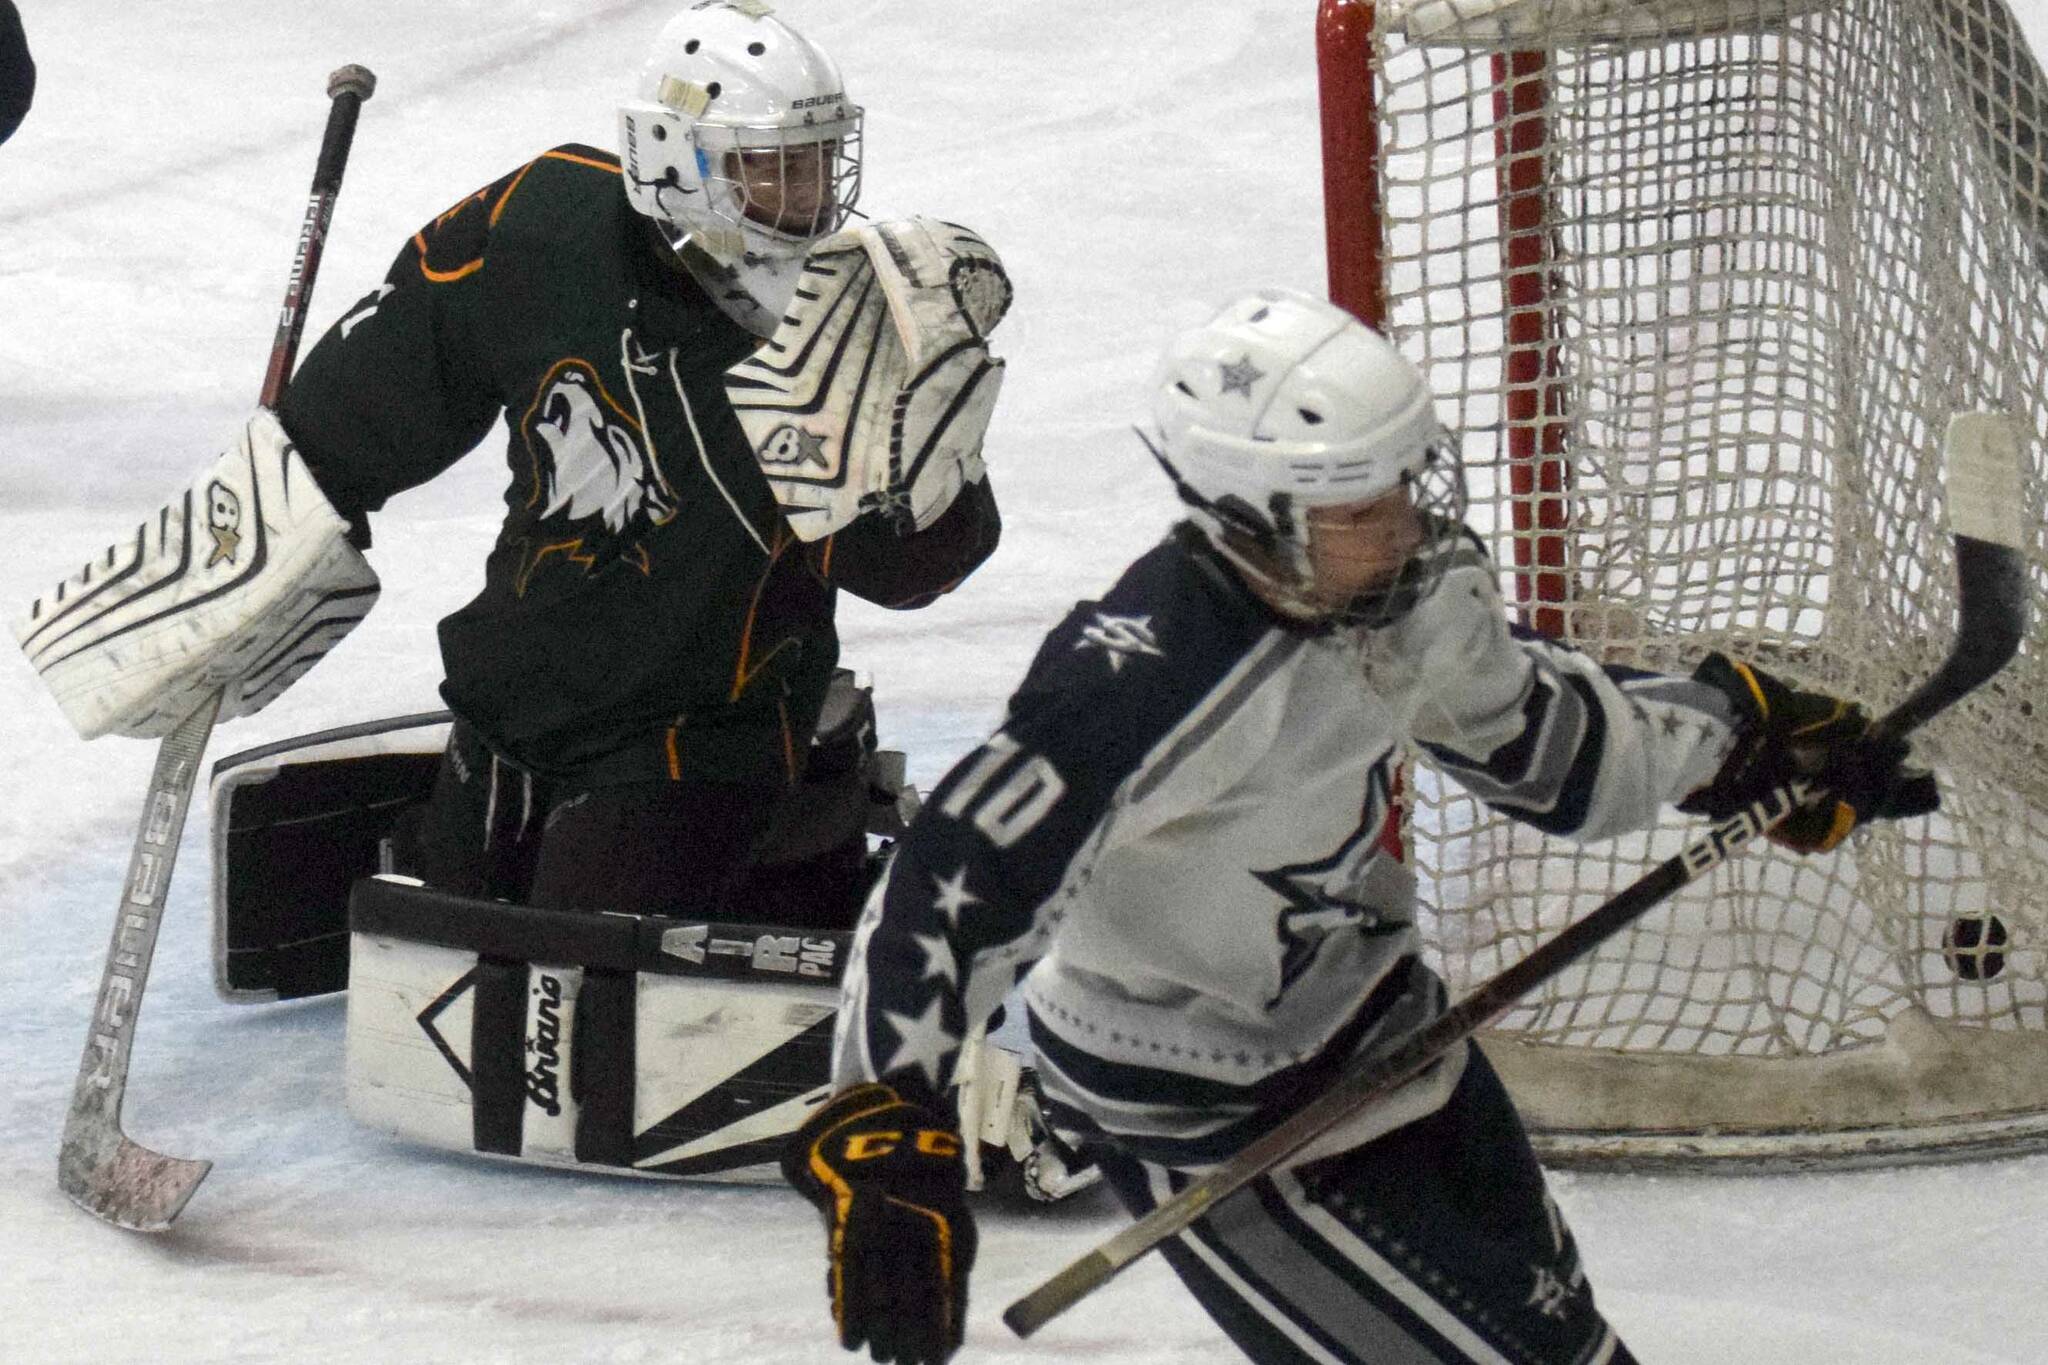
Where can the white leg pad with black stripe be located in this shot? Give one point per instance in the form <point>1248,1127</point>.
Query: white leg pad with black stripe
<point>636,1044</point>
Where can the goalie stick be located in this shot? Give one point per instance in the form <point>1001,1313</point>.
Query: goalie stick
<point>99,1167</point>
<point>1984,500</point>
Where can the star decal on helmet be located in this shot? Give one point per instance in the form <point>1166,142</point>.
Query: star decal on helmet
<point>1120,638</point>
<point>1239,375</point>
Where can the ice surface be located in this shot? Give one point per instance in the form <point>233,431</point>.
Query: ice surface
<point>1134,163</point>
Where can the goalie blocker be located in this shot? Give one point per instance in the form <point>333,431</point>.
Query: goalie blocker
<point>238,586</point>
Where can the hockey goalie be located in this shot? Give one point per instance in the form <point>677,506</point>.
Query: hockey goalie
<point>595,913</point>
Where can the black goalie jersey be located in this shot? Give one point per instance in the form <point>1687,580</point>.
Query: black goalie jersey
<point>646,612</point>
<point>1175,840</point>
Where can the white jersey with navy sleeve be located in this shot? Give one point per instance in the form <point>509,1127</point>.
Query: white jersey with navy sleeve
<point>1176,834</point>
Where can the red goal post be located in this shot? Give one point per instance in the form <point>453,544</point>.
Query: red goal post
<point>1702,283</point>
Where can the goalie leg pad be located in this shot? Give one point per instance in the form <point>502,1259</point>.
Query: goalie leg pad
<point>636,1044</point>
<point>294,824</point>
<point>633,1044</point>
<point>239,585</point>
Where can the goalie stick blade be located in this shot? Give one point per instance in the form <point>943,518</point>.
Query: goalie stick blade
<point>123,1182</point>
<point>98,1167</point>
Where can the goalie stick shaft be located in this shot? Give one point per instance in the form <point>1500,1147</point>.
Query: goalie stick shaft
<point>99,1167</point>
<point>1991,616</point>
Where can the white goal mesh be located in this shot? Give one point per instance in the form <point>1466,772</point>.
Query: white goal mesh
<point>1702,284</point>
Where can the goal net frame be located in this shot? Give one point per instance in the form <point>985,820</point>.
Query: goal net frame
<point>1903,1066</point>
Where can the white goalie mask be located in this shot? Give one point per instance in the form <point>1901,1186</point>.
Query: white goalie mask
<point>741,141</point>
<point>1283,419</point>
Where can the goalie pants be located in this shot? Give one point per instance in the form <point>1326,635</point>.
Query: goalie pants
<point>493,828</point>
<point>1436,1244</point>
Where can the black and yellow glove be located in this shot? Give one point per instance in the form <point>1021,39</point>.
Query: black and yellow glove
<point>1786,733</point>
<point>887,1173</point>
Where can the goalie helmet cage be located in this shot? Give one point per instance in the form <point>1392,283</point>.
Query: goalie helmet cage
<point>1702,283</point>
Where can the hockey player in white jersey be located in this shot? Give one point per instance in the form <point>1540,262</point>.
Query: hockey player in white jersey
<point>1175,839</point>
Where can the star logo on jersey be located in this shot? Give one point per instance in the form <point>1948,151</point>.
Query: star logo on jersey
<point>1549,1295</point>
<point>223,522</point>
<point>1239,375</point>
<point>1120,638</point>
<point>1324,898</point>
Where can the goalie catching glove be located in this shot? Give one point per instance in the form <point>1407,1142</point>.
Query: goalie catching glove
<point>239,586</point>
<point>875,391</point>
<point>888,1175</point>
<point>1787,734</point>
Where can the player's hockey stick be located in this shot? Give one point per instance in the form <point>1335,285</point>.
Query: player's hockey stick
<point>1984,497</point>
<point>99,1167</point>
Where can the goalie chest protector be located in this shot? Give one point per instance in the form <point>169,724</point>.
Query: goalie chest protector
<point>650,1046</point>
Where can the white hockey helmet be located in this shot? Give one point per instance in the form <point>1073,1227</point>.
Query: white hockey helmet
<point>742,141</point>
<point>1283,403</point>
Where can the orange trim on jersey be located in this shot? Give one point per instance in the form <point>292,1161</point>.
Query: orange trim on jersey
<point>433,276</point>
<point>825,559</point>
<point>788,741</point>
<point>498,209</point>
<point>579,160</point>
<point>741,674</point>
<point>567,548</point>
<point>675,758</point>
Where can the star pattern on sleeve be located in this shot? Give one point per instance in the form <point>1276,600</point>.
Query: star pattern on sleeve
<point>953,895</point>
<point>938,958</point>
<point>922,1042</point>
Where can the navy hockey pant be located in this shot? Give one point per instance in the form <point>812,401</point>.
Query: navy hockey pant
<point>1435,1244</point>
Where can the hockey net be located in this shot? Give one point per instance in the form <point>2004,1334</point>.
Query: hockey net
<point>1702,283</point>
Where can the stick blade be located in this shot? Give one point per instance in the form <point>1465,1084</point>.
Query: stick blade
<point>125,1183</point>
<point>1058,1294</point>
<point>1986,492</point>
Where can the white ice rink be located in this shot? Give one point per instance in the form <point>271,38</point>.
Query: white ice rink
<point>1135,163</point>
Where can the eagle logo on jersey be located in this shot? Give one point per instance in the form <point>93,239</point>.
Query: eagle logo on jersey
<point>1120,638</point>
<point>588,457</point>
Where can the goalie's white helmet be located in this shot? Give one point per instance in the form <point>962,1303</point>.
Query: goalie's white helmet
<point>1283,405</point>
<point>742,141</point>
